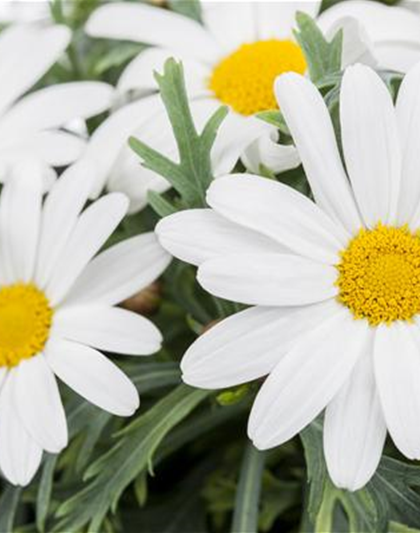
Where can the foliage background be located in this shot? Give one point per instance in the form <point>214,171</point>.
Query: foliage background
<point>183,464</point>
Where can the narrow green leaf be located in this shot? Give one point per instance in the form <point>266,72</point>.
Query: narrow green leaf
<point>160,205</point>
<point>324,520</point>
<point>44,491</point>
<point>160,164</point>
<point>245,516</point>
<point>395,527</point>
<point>317,473</point>
<point>322,57</point>
<point>96,427</point>
<point>209,133</point>
<point>131,455</point>
<point>9,502</point>
<point>275,118</point>
<point>188,8</point>
<point>192,176</point>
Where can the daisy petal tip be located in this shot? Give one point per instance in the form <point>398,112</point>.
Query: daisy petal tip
<point>284,81</point>
<point>350,483</point>
<point>61,441</point>
<point>94,23</point>
<point>258,443</point>
<point>187,378</point>
<point>120,200</point>
<point>63,35</point>
<point>357,70</point>
<point>162,228</point>
<point>131,408</point>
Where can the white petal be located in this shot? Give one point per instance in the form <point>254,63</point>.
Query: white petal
<point>4,371</point>
<point>20,455</point>
<point>370,144</point>
<point>268,152</point>
<point>57,148</point>
<point>135,181</point>
<point>93,376</point>
<point>354,428</point>
<point>112,136</point>
<point>408,116</point>
<point>56,105</point>
<point>248,345</point>
<point>155,26</point>
<point>139,73</point>
<point>231,23</point>
<point>197,235</point>
<point>39,405</point>
<point>107,328</point>
<point>279,212</point>
<point>268,279</point>
<point>397,372</point>
<point>306,379</point>
<point>20,214</point>
<point>357,46</point>
<point>26,53</point>
<point>394,26</point>
<point>121,271</point>
<point>59,216</point>
<point>235,135</point>
<point>310,125</point>
<point>276,20</point>
<point>400,56</point>
<point>92,229</point>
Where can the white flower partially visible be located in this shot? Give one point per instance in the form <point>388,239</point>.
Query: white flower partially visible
<point>391,33</point>
<point>119,167</point>
<point>233,59</point>
<point>334,284</point>
<point>32,126</point>
<point>57,309</point>
<point>225,51</point>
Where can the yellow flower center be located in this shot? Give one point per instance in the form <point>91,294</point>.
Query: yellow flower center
<point>25,322</point>
<point>379,274</point>
<point>244,80</point>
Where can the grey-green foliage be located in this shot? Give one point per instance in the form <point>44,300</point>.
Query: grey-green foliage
<point>391,496</point>
<point>132,454</point>
<point>322,57</point>
<point>245,516</point>
<point>192,176</point>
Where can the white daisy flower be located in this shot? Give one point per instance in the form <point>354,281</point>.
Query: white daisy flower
<point>334,284</point>
<point>57,308</point>
<point>31,126</point>
<point>233,59</point>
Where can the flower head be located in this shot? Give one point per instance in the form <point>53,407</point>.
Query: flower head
<point>232,58</point>
<point>57,309</point>
<point>334,282</point>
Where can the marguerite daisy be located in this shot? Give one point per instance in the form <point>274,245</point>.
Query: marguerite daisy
<point>334,284</point>
<point>31,126</point>
<point>233,58</point>
<point>57,308</point>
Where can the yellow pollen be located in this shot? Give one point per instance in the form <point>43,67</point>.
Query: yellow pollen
<point>379,275</point>
<point>244,80</point>
<point>25,322</point>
